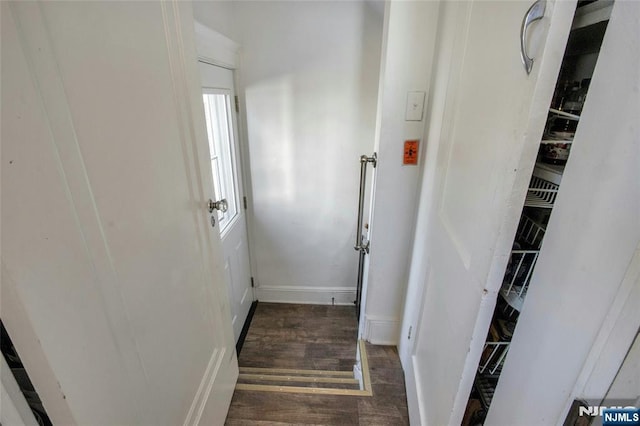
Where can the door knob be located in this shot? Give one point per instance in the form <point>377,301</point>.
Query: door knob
<point>220,205</point>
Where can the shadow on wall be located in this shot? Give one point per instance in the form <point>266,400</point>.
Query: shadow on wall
<point>310,75</point>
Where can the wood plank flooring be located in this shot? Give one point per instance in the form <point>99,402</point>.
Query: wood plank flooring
<point>316,337</point>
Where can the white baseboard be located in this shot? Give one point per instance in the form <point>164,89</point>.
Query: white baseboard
<point>381,330</point>
<point>306,295</point>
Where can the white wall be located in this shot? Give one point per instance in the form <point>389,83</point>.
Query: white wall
<point>217,15</point>
<point>309,72</point>
<point>406,66</point>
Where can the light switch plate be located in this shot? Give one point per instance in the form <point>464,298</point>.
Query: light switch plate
<point>415,106</point>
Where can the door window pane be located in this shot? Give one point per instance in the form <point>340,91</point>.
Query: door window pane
<point>217,108</point>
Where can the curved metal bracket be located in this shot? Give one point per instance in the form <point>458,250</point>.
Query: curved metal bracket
<point>373,159</point>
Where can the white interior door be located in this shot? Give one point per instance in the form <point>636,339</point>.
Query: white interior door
<point>112,279</point>
<point>224,158</point>
<point>486,118</point>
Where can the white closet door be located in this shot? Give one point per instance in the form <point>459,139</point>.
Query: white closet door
<point>107,247</point>
<point>485,122</point>
<point>582,302</point>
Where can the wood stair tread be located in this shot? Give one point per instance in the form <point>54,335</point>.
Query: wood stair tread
<point>295,371</point>
<point>293,380</point>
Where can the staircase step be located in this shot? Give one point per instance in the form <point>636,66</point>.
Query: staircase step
<point>295,372</point>
<point>244,377</point>
<point>278,378</point>
<point>292,380</point>
<point>302,389</point>
<point>341,386</point>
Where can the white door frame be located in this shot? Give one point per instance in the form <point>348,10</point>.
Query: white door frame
<point>214,48</point>
<point>613,342</point>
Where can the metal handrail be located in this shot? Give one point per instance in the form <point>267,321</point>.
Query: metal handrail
<point>364,160</point>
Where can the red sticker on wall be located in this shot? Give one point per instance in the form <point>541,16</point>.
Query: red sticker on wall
<point>411,152</point>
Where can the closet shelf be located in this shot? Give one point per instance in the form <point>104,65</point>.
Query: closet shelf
<point>549,172</point>
<point>486,387</point>
<point>513,299</point>
<point>523,259</point>
<point>564,114</point>
<point>529,233</point>
<point>541,193</point>
<point>556,141</point>
<point>495,349</point>
<point>533,200</point>
<point>492,358</point>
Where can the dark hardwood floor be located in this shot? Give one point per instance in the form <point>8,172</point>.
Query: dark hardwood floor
<point>301,336</point>
<point>316,337</point>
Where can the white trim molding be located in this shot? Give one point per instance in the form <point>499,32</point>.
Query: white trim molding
<point>307,295</point>
<point>381,330</point>
<point>415,394</point>
<point>204,390</point>
<point>215,48</point>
